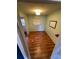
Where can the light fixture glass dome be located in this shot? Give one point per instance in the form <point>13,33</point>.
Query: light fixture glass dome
<point>38,11</point>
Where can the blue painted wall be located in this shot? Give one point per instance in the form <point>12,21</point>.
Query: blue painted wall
<point>19,54</point>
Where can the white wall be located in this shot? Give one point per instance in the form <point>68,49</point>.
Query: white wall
<point>26,20</point>
<point>56,16</point>
<point>37,23</point>
<point>57,50</point>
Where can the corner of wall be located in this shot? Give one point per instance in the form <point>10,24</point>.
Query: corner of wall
<point>56,16</point>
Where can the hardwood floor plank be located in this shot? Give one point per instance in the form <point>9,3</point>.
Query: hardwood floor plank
<point>40,45</point>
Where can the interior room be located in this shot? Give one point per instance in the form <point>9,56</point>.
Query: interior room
<point>39,29</point>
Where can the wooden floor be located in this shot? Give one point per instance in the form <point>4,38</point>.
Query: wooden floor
<point>40,45</point>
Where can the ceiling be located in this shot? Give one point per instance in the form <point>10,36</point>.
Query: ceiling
<point>28,6</point>
<point>38,1</point>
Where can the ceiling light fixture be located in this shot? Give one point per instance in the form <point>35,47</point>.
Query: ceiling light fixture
<point>38,11</point>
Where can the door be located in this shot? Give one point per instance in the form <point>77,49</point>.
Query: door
<point>24,25</point>
<point>37,23</point>
<point>22,40</point>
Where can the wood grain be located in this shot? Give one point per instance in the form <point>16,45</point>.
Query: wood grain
<point>40,45</point>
